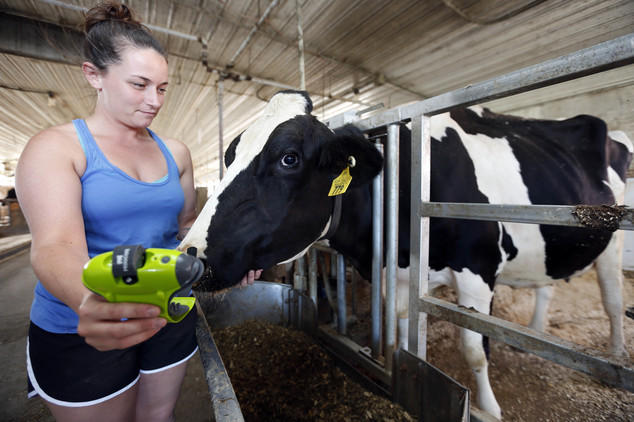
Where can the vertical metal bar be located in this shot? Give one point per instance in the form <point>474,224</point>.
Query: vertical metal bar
<point>377,259</point>
<point>289,269</point>
<point>353,285</point>
<point>327,278</point>
<point>220,129</point>
<point>341,295</point>
<point>419,237</point>
<point>296,278</point>
<point>299,279</point>
<point>333,265</point>
<point>312,275</point>
<point>300,47</point>
<point>391,241</point>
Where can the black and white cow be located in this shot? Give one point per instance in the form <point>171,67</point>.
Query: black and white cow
<point>273,204</point>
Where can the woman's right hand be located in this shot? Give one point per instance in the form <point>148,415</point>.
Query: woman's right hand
<point>109,326</point>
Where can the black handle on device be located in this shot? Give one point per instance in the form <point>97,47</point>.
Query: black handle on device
<point>126,259</point>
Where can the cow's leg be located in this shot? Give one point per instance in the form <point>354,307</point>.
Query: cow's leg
<point>473,292</point>
<point>402,307</point>
<point>436,279</point>
<point>610,276</point>
<point>543,296</point>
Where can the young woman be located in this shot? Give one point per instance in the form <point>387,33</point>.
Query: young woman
<point>86,187</point>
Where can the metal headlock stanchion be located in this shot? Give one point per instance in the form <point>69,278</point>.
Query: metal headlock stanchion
<point>401,388</point>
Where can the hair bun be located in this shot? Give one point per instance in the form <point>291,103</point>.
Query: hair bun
<point>108,11</point>
<point>109,28</point>
<point>118,11</point>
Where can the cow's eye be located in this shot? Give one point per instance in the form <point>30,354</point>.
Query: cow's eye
<point>289,160</point>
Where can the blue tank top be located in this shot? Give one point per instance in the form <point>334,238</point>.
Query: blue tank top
<point>117,210</point>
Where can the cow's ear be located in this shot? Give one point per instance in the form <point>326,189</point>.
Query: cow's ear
<point>349,147</point>
<point>230,153</point>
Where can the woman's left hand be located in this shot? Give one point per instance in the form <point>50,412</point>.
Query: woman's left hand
<point>251,276</point>
<point>108,326</point>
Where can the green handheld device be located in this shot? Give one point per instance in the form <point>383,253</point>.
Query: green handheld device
<point>131,273</point>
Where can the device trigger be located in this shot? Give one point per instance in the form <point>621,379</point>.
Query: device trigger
<point>176,309</point>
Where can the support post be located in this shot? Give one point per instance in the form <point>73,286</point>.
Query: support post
<point>377,259</point>
<point>419,238</point>
<point>221,86</point>
<point>300,47</point>
<point>391,242</point>
<point>342,319</point>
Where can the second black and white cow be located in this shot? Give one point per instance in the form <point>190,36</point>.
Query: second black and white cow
<point>273,204</point>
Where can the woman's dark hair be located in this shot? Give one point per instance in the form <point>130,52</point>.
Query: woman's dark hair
<point>109,28</point>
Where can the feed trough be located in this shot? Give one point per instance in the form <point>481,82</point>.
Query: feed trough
<point>415,385</point>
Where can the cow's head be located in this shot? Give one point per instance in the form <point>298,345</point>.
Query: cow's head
<point>273,202</point>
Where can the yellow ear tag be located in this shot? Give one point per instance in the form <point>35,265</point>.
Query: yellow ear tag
<point>341,183</point>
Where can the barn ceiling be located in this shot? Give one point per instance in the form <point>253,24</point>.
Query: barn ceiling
<point>358,55</point>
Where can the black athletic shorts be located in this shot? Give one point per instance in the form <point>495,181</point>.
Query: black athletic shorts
<point>63,369</point>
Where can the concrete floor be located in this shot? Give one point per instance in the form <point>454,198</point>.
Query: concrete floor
<point>17,281</point>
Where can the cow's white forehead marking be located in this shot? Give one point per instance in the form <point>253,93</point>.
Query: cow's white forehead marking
<point>281,108</point>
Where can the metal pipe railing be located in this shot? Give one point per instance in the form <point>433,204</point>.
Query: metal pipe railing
<point>391,240</point>
<point>312,276</point>
<point>604,56</point>
<point>377,260</point>
<point>223,397</point>
<point>608,55</point>
<point>605,217</point>
<point>563,352</point>
<point>342,318</point>
<point>419,235</point>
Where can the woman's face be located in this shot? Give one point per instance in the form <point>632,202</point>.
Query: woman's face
<point>133,90</point>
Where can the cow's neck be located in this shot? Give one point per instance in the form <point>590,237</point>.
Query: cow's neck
<point>353,237</point>
<point>335,218</point>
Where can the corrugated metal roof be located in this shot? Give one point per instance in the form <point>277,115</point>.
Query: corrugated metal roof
<point>357,54</point>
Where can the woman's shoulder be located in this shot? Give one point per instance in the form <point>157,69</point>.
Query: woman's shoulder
<point>175,145</point>
<point>179,151</point>
<point>56,142</point>
<point>56,135</point>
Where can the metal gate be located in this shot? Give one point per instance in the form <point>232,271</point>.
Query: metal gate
<point>602,57</point>
<point>605,56</point>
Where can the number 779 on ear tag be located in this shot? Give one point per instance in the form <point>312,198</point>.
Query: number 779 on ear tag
<point>341,183</point>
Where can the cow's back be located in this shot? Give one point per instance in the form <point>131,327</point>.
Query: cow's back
<point>485,157</point>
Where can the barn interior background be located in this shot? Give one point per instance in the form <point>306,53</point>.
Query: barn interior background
<point>228,57</point>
